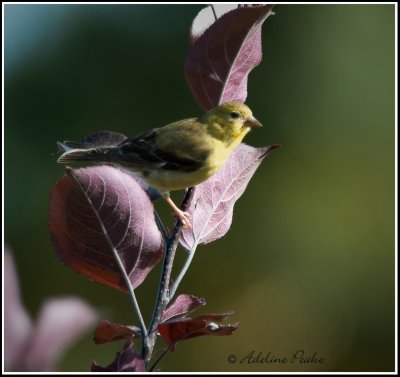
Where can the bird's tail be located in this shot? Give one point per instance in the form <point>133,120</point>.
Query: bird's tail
<point>97,154</point>
<point>98,147</point>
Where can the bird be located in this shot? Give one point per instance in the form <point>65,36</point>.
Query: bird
<point>177,156</point>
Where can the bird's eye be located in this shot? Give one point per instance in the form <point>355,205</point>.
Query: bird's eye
<point>235,115</point>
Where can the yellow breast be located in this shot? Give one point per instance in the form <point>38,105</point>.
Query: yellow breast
<point>171,180</point>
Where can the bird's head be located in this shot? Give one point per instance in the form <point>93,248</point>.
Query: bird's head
<point>230,121</point>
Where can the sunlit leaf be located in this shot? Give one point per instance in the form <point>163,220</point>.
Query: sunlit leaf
<point>95,210</point>
<point>211,208</point>
<point>221,58</point>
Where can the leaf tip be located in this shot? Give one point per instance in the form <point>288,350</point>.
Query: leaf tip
<point>270,149</point>
<point>275,146</point>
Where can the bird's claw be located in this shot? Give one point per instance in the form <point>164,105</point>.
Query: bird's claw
<point>184,217</point>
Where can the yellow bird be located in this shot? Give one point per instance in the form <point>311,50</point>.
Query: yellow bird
<point>177,156</point>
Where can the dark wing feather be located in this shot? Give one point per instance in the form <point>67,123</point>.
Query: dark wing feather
<point>142,150</point>
<point>97,139</point>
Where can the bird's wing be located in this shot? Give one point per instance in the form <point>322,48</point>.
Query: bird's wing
<point>97,139</point>
<point>142,150</point>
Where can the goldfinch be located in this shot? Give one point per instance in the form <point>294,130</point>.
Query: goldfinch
<point>177,156</point>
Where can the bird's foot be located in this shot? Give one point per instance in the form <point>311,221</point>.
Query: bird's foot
<point>184,217</point>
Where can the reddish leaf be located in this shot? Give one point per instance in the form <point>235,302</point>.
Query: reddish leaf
<point>107,332</point>
<point>215,317</point>
<point>182,305</point>
<point>127,360</point>
<point>183,328</point>
<point>211,208</point>
<point>96,209</point>
<point>220,60</point>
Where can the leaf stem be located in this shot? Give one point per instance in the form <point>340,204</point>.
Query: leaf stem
<point>214,12</point>
<point>161,226</point>
<point>120,266</point>
<point>163,289</point>
<point>134,300</point>
<point>182,273</point>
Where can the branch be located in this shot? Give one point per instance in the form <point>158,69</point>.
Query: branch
<point>163,291</point>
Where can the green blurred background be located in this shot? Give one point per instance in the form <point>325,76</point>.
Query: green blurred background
<point>309,260</point>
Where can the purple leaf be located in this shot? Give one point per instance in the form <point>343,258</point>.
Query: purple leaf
<point>211,208</point>
<point>96,209</point>
<point>206,17</point>
<point>127,360</point>
<point>18,326</point>
<point>107,332</point>
<point>182,305</point>
<point>39,346</point>
<point>61,322</point>
<point>183,328</point>
<point>220,59</point>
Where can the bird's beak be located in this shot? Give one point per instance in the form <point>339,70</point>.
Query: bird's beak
<point>252,122</point>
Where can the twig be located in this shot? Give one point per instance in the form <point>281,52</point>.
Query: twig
<point>165,351</point>
<point>163,290</point>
